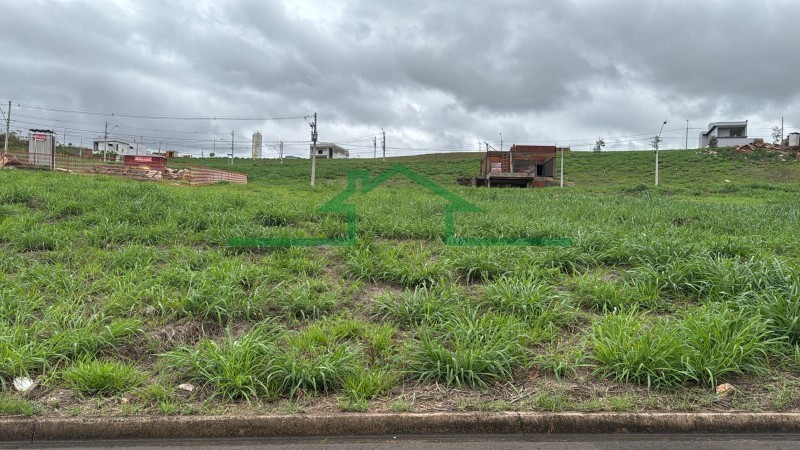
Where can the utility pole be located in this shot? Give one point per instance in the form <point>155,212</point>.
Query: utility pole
<point>214,148</point>
<point>383,143</point>
<point>687,134</point>
<point>232,137</point>
<point>105,142</point>
<point>658,140</point>
<point>501,142</point>
<point>562,166</point>
<point>781,131</point>
<point>314,150</point>
<point>8,127</point>
<point>374,147</point>
<point>280,152</point>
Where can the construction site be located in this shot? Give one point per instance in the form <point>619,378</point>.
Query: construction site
<point>520,166</point>
<point>42,154</point>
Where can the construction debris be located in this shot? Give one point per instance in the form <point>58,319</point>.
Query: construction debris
<point>759,145</point>
<point>144,173</point>
<point>7,159</point>
<point>759,149</point>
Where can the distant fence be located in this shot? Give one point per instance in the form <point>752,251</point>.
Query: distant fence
<point>204,175</point>
<point>189,175</point>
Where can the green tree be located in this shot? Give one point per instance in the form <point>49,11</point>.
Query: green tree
<point>655,142</point>
<point>777,135</point>
<point>598,145</point>
<point>712,142</point>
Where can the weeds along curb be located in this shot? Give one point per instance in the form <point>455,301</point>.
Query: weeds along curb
<point>51,429</point>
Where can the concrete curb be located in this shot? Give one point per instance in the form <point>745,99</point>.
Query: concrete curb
<point>58,429</point>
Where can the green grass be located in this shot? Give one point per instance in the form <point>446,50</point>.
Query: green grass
<point>670,289</point>
<point>105,378</point>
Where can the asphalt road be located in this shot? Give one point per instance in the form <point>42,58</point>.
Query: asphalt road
<point>481,442</point>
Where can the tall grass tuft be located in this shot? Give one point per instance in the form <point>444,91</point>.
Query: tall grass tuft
<point>469,349</point>
<point>417,307</point>
<point>103,377</point>
<point>304,369</point>
<point>540,305</point>
<point>720,341</point>
<point>630,347</point>
<point>235,368</point>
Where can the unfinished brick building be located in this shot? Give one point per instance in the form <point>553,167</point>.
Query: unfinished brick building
<point>522,165</point>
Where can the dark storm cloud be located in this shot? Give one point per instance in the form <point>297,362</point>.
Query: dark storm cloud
<point>433,73</point>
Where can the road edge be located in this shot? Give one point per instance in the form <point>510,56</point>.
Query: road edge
<point>366,424</point>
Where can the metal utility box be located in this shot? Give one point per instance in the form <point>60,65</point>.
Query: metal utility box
<point>42,148</point>
<point>794,139</point>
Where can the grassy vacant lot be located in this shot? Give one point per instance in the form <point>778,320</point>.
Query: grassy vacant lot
<point>114,293</point>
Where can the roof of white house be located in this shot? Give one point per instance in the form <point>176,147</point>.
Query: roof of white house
<point>713,125</point>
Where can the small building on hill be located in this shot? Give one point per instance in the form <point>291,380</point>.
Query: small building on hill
<point>121,148</point>
<point>329,151</point>
<point>522,165</point>
<point>728,134</point>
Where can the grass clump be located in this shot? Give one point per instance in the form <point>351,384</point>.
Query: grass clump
<point>469,349</point>
<point>235,368</point>
<point>723,341</point>
<point>630,347</point>
<point>701,346</point>
<point>103,377</point>
<point>407,265</point>
<point>603,295</point>
<point>310,299</point>
<point>366,384</point>
<point>417,307</point>
<point>308,367</point>
<point>12,406</point>
<point>780,309</point>
<point>540,305</point>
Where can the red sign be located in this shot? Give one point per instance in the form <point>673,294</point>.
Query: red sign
<point>39,137</point>
<point>153,162</point>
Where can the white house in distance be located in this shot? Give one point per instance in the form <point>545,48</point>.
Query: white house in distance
<point>728,134</point>
<point>330,151</point>
<point>121,148</point>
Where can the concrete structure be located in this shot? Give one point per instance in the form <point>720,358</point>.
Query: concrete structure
<point>42,148</point>
<point>728,134</point>
<point>121,148</point>
<point>257,145</point>
<point>522,165</point>
<point>330,151</point>
<point>794,139</point>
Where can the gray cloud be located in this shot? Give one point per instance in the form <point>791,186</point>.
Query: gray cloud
<point>434,74</point>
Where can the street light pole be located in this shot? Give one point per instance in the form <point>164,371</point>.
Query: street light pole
<point>314,150</point>
<point>658,140</point>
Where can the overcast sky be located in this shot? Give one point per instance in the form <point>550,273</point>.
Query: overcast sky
<point>436,75</point>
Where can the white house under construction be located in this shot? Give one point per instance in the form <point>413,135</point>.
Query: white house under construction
<point>330,151</point>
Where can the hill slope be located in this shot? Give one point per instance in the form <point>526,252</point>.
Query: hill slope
<point>112,288</point>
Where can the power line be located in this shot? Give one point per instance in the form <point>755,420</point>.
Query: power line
<point>156,116</point>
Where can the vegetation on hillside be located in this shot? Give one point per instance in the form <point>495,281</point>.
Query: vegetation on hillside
<point>113,293</point>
